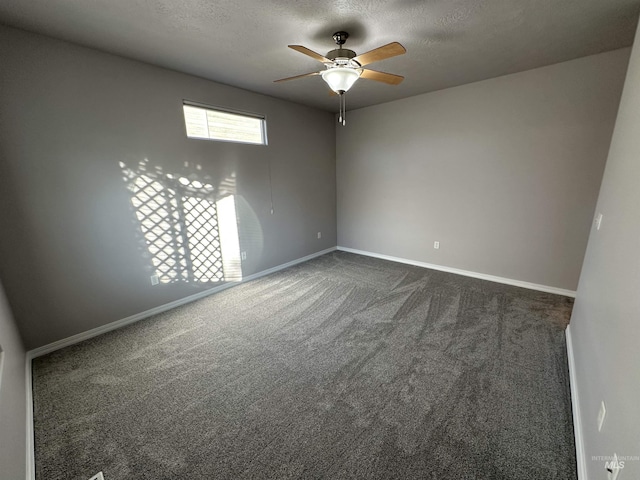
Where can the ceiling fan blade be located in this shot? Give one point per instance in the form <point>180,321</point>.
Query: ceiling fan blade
<point>310,53</point>
<point>381,53</point>
<point>297,76</point>
<point>388,78</point>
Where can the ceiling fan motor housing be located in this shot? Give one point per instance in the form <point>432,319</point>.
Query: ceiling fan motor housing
<point>341,53</point>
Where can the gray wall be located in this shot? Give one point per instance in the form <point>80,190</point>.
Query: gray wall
<point>504,173</point>
<point>605,326</point>
<point>70,256</point>
<point>13,420</point>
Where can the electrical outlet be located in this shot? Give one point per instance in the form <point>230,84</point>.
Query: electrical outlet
<point>598,221</point>
<point>243,255</point>
<point>319,234</point>
<point>154,279</point>
<point>601,414</point>
<point>436,245</point>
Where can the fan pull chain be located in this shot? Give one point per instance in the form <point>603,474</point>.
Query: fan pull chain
<point>343,110</point>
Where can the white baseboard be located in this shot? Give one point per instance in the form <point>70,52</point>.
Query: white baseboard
<point>575,407</point>
<point>466,273</point>
<point>65,342</point>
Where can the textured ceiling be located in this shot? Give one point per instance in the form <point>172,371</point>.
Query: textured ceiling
<point>244,42</point>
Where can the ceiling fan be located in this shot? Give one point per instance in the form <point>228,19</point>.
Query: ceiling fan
<point>343,67</point>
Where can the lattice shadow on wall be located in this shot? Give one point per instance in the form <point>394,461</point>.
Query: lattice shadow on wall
<point>179,221</point>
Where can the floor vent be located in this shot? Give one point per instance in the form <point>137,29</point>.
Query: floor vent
<point>97,476</point>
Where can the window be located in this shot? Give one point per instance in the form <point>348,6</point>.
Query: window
<point>227,126</point>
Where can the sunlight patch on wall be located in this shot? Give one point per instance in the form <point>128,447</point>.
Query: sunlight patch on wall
<point>229,239</point>
<point>179,222</point>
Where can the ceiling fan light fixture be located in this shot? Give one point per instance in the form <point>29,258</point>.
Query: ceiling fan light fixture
<point>340,79</point>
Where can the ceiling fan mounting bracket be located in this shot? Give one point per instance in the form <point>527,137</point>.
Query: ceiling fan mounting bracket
<point>340,38</point>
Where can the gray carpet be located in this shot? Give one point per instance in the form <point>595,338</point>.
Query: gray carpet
<point>341,367</point>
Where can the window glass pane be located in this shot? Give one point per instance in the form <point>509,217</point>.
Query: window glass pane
<point>196,122</point>
<point>218,125</point>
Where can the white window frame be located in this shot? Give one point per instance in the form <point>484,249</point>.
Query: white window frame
<point>213,108</point>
